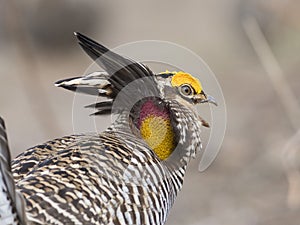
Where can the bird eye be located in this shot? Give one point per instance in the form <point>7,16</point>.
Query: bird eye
<point>186,89</point>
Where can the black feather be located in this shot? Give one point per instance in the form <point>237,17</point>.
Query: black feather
<point>86,90</point>
<point>101,112</point>
<point>123,70</point>
<point>101,105</point>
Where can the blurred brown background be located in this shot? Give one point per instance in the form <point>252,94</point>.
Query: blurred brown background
<point>255,178</point>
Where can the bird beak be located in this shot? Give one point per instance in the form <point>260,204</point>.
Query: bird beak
<point>203,98</point>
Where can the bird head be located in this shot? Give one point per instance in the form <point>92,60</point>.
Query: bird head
<point>182,87</point>
<point>163,114</point>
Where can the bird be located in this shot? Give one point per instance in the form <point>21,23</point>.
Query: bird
<point>130,173</point>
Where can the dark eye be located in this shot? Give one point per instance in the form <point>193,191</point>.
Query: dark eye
<point>186,89</point>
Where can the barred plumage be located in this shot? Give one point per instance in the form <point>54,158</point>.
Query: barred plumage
<point>12,209</point>
<point>115,177</point>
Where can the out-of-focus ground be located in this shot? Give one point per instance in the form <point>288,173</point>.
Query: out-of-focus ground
<point>255,178</point>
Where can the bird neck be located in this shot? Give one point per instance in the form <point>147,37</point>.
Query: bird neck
<point>156,129</point>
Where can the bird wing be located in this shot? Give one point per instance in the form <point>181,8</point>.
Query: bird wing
<point>28,160</point>
<point>12,210</point>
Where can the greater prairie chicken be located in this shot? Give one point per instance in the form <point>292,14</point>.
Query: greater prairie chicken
<point>128,174</point>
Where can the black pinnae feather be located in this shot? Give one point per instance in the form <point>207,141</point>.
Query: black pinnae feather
<point>123,70</point>
<point>120,71</point>
<point>101,105</point>
<point>101,112</point>
<point>102,108</point>
<point>85,90</point>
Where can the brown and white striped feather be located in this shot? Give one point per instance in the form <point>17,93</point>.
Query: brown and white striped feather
<point>99,179</point>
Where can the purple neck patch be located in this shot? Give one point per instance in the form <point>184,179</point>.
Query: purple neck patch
<point>149,108</point>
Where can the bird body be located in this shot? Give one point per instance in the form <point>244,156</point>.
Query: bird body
<point>128,174</point>
<point>85,184</point>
